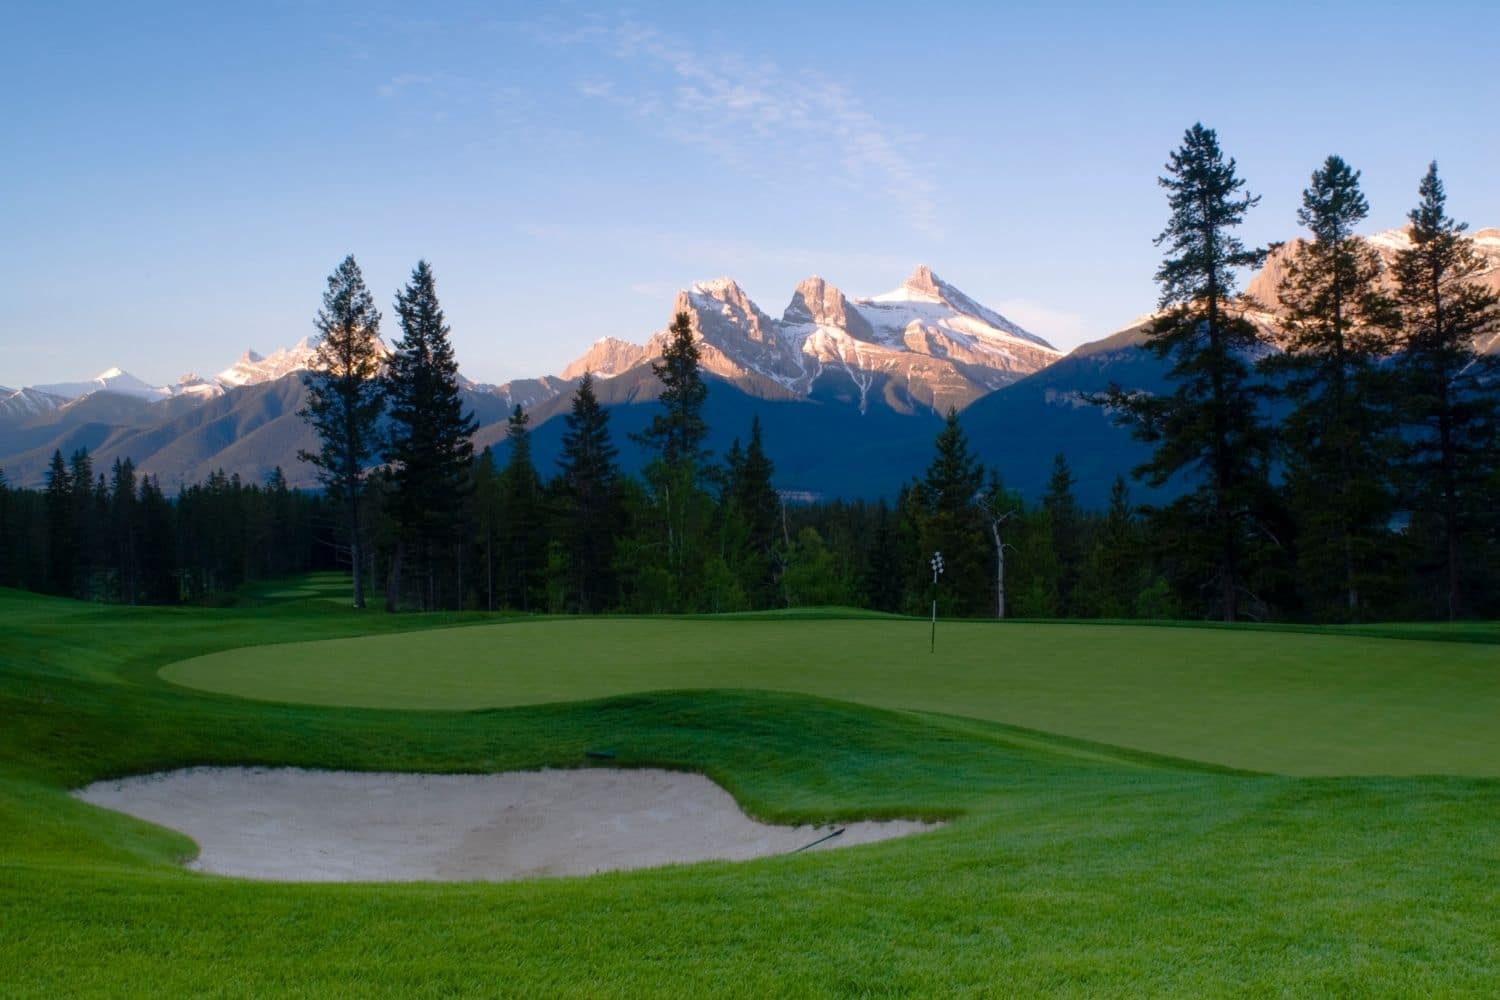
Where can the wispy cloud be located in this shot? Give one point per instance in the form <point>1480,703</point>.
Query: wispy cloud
<point>757,116</point>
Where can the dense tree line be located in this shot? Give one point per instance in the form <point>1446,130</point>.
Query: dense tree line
<point>118,537</point>
<point>1351,474</point>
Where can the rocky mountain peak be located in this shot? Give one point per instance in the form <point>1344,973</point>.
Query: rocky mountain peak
<point>608,356</point>
<point>1264,286</point>
<point>723,289</point>
<point>924,283</point>
<point>817,302</point>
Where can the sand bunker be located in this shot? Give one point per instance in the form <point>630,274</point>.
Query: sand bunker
<point>342,826</point>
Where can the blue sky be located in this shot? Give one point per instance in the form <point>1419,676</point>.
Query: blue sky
<point>178,180</point>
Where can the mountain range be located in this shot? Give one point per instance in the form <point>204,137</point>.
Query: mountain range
<point>849,392</point>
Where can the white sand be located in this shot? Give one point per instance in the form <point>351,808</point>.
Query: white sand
<point>343,826</point>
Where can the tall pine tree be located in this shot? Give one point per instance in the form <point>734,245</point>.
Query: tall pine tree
<point>87,528</point>
<point>430,443</point>
<point>1066,527</point>
<point>61,546</point>
<point>952,522</point>
<point>124,530</point>
<point>489,523</point>
<point>345,399</point>
<point>1209,427</point>
<point>1337,437</point>
<point>1114,571</point>
<point>591,509</point>
<point>676,433</point>
<point>525,542</point>
<point>1448,391</point>
<point>681,510</point>
<point>753,508</point>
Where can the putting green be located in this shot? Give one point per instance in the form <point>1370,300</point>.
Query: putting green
<point>1284,702</point>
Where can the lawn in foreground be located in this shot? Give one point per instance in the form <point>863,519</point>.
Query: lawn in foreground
<point>1070,869</point>
<point>1285,702</point>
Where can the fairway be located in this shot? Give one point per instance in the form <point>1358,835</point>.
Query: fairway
<point>1285,702</point>
<point>1066,868</point>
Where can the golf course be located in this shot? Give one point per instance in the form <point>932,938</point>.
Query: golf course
<point>1126,809</point>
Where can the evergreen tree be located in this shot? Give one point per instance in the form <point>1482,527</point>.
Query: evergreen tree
<point>60,539</point>
<point>124,531</point>
<point>86,525</point>
<point>525,543</point>
<point>591,510</point>
<point>1209,427</point>
<point>1036,584</point>
<point>681,514</point>
<point>345,400</point>
<point>1337,436</point>
<point>159,581</point>
<point>882,579</point>
<point>430,446</point>
<point>952,522</point>
<point>489,511</point>
<point>1114,572</point>
<point>1448,391</point>
<point>752,502</point>
<point>9,540</point>
<point>1066,527</point>
<point>676,433</point>
<point>285,540</point>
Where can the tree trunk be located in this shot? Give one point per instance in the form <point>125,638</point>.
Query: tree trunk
<point>356,553</point>
<point>999,570</point>
<point>393,582</point>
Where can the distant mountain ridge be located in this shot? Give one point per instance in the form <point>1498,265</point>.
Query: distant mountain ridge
<point>849,391</point>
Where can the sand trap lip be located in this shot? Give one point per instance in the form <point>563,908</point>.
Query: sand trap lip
<point>298,825</point>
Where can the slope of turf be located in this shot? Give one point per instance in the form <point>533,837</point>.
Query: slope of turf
<point>1286,702</point>
<point>1071,869</point>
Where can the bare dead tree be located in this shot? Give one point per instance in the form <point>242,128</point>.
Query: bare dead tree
<point>990,504</point>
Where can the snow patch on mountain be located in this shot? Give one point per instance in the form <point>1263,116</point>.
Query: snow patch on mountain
<point>110,380</point>
<point>193,384</point>
<point>28,402</point>
<point>253,368</point>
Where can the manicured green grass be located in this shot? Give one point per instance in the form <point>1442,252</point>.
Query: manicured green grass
<point>1071,868</point>
<point>1286,702</point>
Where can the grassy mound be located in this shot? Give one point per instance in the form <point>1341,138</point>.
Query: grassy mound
<point>1291,702</point>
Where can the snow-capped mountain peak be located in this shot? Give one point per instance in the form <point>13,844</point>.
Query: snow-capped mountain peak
<point>719,288</point>
<point>27,402</point>
<point>925,345</point>
<point>112,379</point>
<point>922,285</point>
<point>253,367</point>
